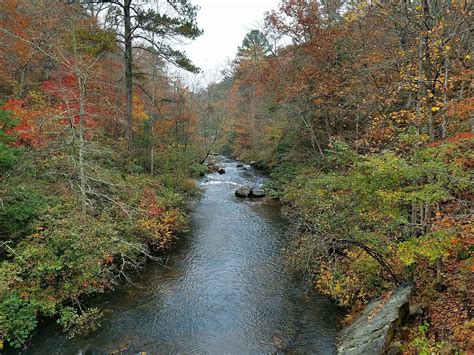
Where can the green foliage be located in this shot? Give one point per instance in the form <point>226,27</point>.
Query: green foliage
<point>280,176</point>
<point>255,46</point>
<point>21,206</point>
<point>340,156</point>
<point>422,344</point>
<point>430,246</point>
<point>198,170</point>
<point>17,318</point>
<point>95,41</point>
<point>79,324</point>
<point>8,153</point>
<point>180,22</point>
<point>357,203</point>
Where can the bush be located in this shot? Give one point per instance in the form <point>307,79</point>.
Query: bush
<point>17,318</point>
<point>21,206</point>
<point>8,153</point>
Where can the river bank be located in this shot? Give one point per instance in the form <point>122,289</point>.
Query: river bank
<point>362,224</point>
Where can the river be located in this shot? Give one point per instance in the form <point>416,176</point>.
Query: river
<point>224,289</point>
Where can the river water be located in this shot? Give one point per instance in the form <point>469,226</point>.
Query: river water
<point>223,290</point>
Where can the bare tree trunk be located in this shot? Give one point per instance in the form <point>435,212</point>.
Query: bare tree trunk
<point>153,115</point>
<point>22,81</point>
<point>439,272</point>
<point>414,214</point>
<point>420,87</point>
<point>314,141</point>
<point>445,97</point>
<point>357,132</point>
<point>128,72</point>
<point>429,94</point>
<point>152,149</point>
<point>327,124</point>
<point>82,177</point>
<point>471,113</point>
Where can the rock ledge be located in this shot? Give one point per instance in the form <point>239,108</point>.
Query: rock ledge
<point>372,331</point>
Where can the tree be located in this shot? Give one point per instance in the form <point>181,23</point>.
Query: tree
<point>153,30</point>
<point>255,47</point>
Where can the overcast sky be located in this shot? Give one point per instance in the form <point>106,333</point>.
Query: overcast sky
<point>225,24</point>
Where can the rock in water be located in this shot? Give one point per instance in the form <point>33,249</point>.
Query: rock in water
<point>243,192</point>
<point>211,168</point>
<point>221,170</point>
<point>240,165</point>
<point>257,193</point>
<point>372,331</point>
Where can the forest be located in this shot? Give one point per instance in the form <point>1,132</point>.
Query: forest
<point>360,111</point>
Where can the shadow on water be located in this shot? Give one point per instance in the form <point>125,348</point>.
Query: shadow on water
<point>224,290</point>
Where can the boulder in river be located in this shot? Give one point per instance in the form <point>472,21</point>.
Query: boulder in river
<point>212,168</point>
<point>246,191</point>
<point>243,191</point>
<point>257,193</point>
<point>221,170</point>
<point>240,165</point>
<point>372,331</point>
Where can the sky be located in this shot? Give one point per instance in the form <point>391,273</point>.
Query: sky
<point>225,24</point>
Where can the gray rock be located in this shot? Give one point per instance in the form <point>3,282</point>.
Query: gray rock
<point>395,348</point>
<point>372,331</point>
<point>243,192</point>
<point>257,193</point>
<point>212,168</point>
<point>416,309</point>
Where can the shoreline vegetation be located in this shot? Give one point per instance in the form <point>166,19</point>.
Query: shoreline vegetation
<point>365,123</point>
<point>361,111</point>
<point>60,257</point>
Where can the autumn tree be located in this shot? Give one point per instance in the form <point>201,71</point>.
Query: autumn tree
<point>149,28</point>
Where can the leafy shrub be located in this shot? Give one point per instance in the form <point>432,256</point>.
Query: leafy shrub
<point>8,153</point>
<point>79,324</point>
<point>21,205</point>
<point>17,318</point>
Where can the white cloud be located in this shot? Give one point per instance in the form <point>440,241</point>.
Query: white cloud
<point>225,24</point>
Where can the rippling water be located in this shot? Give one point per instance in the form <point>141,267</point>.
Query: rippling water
<point>224,290</point>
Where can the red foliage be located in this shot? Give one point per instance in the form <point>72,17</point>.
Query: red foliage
<point>149,203</point>
<point>63,88</point>
<point>457,137</point>
<point>28,129</point>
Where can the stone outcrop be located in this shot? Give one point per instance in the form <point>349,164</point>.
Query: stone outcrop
<point>372,332</point>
